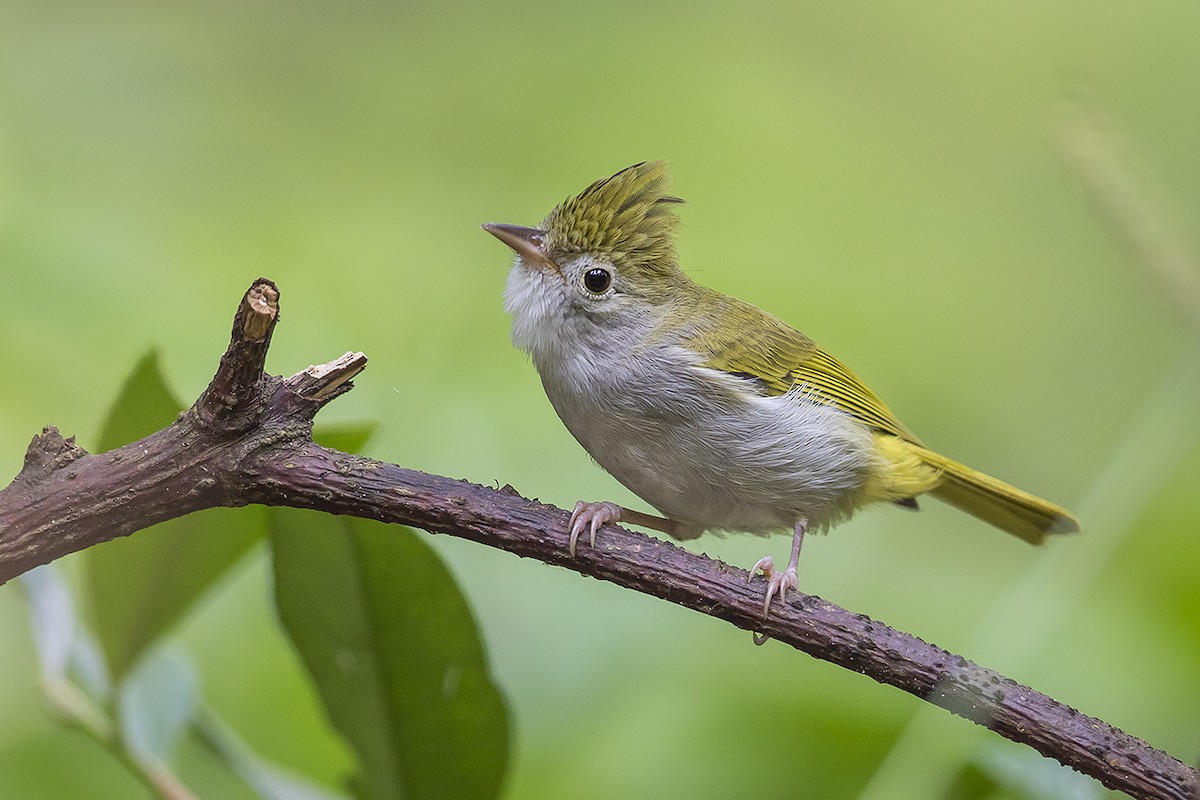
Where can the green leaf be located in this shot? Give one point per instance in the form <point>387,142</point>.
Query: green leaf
<point>138,587</point>
<point>1025,773</point>
<point>88,668</point>
<point>144,406</point>
<point>65,649</point>
<point>349,437</point>
<point>268,780</point>
<point>157,703</point>
<point>52,617</point>
<point>395,654</point>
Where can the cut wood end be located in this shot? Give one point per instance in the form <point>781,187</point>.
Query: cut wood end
<point>351,363</point>
<point>323,381</point>
<point>262,309</point>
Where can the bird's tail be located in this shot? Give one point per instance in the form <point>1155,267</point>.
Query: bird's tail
<point>996,502</point>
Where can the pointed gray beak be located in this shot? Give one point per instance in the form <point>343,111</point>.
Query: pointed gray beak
<point>525,242</point>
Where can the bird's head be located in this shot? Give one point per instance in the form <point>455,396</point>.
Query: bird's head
<point>598,257</point>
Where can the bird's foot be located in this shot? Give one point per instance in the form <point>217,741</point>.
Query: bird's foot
<point>591,516</point>
<point>777,582</point>
<point>780,581</point>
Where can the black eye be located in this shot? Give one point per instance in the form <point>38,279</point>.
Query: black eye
<point>597,280</point>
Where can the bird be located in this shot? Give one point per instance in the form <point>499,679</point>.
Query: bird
<point>715,412</point>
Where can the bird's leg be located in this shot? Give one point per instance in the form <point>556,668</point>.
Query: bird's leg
<point>781,581</point>
<point>592,515</point>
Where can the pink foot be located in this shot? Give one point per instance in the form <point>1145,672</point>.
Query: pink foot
<point>591,516</point>
<point>776,581</point>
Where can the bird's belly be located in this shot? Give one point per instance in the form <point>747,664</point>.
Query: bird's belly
<point>742,463</point>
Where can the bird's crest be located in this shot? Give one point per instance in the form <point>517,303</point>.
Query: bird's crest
<point>628,217</point>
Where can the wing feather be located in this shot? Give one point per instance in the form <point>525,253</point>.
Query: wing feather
<point>779,359</point>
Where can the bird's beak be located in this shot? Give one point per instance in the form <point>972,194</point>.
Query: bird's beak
<point>525,242</point>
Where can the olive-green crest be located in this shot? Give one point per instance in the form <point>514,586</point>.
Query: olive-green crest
<point>628,218</point>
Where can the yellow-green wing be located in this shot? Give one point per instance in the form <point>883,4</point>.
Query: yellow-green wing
<point>744,341</point>
<point>752,344</point>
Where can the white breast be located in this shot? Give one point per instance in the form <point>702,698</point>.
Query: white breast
<point>699,445</point>
<point>705,456</point>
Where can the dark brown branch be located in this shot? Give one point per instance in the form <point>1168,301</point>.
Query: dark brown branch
<point>248,440</point>
<point>233,399</point>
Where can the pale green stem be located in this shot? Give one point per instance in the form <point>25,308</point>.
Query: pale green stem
<point>75,708</point>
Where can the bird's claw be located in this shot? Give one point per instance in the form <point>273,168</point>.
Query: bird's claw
<point>590,516</point>
<point>776,581</point>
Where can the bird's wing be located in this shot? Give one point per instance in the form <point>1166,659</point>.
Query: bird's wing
<point>777,359</point>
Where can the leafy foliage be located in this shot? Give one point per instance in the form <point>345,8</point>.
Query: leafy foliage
<point>157,703</point>
<point>138,587</point>
<point>378,620</point>
<point>395,652</point>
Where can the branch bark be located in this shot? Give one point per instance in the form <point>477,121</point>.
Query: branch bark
<point>248,440</point>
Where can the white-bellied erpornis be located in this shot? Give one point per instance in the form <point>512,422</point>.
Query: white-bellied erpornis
<point>711,410</point>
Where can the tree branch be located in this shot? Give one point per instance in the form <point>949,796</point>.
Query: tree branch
<point>248,440</point>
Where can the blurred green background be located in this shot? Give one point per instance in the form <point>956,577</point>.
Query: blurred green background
<point>888,177</point>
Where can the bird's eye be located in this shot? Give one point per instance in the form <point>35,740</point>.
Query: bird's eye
<point>597,280</point>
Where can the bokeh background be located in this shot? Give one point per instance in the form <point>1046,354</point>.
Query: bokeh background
<point>890,177</point>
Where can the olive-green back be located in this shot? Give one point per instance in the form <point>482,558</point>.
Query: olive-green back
<point>743,340</point>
